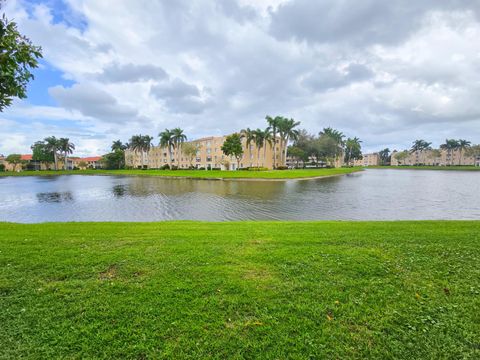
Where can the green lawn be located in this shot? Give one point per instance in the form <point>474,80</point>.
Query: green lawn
<point>267,290</point>
<point>200,174</point>
<point>409,167</point>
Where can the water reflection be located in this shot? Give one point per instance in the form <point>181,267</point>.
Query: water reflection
<point>371,195</point>
<point>55,197</point>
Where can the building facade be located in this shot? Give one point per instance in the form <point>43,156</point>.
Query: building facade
<point>209,156</point>
<point>435,157</point>
<point>372,159</point>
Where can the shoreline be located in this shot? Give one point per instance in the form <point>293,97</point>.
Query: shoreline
<point>174,177</point>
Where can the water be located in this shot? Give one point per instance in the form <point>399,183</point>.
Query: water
<point>370,195</point>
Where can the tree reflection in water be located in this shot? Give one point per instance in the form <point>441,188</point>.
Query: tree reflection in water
<point>55,197</point>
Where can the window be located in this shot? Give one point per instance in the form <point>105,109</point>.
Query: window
<point>209,158</point>
<point>209,151</point>
<point>198,159</point>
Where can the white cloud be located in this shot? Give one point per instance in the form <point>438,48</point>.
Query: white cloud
<point>384,73</point>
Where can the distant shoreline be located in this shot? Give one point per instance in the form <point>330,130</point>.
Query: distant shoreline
<point>271,175</point>
<point>429,167</point>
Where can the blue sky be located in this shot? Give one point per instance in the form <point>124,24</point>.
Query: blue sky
<point>387,72</point>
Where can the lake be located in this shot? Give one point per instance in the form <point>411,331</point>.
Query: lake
<point>370,195</point>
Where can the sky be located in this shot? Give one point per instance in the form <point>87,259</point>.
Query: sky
<point>388,72</point>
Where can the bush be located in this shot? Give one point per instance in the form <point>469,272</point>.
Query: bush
<point>165,167</point>
<point>174,167</point>
<point>201,168</point>
<point>216,168</point>
<point>257,168</point>
<point>2,167</point>
<point>243,169</point>
<point>282,167</point>
<point>191,167</point>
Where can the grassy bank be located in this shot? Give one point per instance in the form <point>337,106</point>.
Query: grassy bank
<point>240,290</point>
<point>198,174</point>
<point>409,167</point>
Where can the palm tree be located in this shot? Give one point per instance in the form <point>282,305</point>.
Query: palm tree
<point>338,137</point>
<point>249,136</point>
<point>66,147</point>
<point>450,145</point>
<point>178,138</point>
<point>420,145</point>
<point>141,143</point>
<point>353,149</point>
<point>52,145</point>
<point>118,145</point>
<point>462,146</point>
<point>287,131</point>
<point>259,139</point>
<point>166,141</point>
<point>268,138</point>
<point>273,123</point>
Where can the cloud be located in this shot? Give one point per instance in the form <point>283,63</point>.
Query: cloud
<point>180,97</point>
<point>357,23</point>
<point>132,73</point>
<point>93,102</point>
<point>385,71</point>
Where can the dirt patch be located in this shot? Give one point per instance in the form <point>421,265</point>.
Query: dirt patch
<point>110,273</point>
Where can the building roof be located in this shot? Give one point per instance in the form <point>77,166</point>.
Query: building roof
<point>91,158</point>
<point>26,157</point>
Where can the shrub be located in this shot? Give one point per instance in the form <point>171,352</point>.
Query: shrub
<point>201,168</point>
<point>216,168</point>
<point>165,167</point>
<point>174,167</point>
<point>191,167</point>
<point>282,167</point>
<point>2,167</point>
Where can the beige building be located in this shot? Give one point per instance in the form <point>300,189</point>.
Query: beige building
<point>368,160</point>
<point>209,156</point>
<point>435,157</point>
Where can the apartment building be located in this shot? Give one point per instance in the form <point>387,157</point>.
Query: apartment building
<point>372,159</point>
<point>436,158</point>
<point>209,156</point>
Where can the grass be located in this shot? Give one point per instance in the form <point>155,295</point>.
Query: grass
<point>198,174</point>
<point>428,167</point>
<point>269,290</point>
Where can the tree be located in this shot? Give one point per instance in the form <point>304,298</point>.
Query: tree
<point>66,147</point>
<point>353,150</point>
<point>232,146</point>
<point>420,145</point>
<point>141,143</point>
<point>462,146</point>
<point>113,160</point>
<point>249,136</point>
<point>450,145</point>
<point>118,145</point>
<point>297,154</point>
<point>337,137</point>
<point>384,156</point>
<point>178,138</point>
<point>18,56</point>
<point>166,141</point>
<point>190,151</point>
<point>401,156</point>
<point>41,153</point>
<point>14,159</point>
<point>287,131</point>
<point>260,138</point>
<point>53,146</point>
<point>274,123</point>
<point>324,148</point>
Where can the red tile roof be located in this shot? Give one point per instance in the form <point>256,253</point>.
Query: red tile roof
<point>26,157</point>
<point>92,158</point>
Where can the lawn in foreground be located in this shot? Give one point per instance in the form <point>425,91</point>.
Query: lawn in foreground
<point>200,174</point>
<point>270,290</point>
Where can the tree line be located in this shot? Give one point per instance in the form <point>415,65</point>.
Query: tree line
<point>328,147</point>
